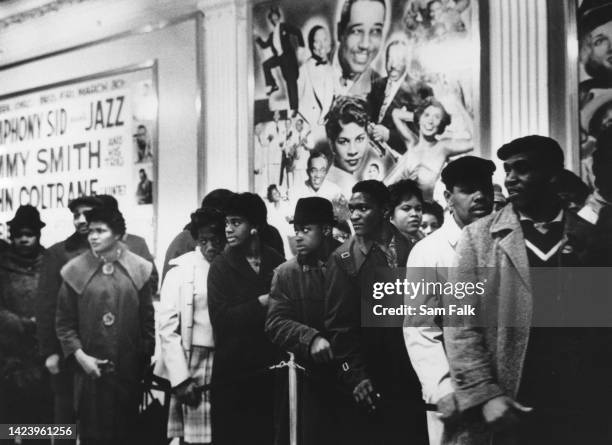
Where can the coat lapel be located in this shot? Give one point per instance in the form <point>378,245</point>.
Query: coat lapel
<point>137,268</point>
<point>77,272</point>
<point>507,229</point>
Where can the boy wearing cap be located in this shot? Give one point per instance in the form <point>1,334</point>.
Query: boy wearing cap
<point>517,382</point>
<point>469,196</point>
<point>295,321</point>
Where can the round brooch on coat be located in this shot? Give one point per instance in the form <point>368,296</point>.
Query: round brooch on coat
<point>108,319</point>
<point>108,268</point>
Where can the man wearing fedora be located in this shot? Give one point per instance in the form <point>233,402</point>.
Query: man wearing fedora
<point>295,322</point>
<point>48,288</point>
<point>24,388</point>
<point>517,380</point>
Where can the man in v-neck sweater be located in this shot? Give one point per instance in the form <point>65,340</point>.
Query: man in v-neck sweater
<point>519,378</point>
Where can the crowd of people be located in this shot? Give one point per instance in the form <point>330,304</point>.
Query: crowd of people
<point>78,333</point>
<point>86,323</point>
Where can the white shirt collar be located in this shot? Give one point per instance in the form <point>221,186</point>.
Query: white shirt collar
<point>451,230</point>
<point>542,227</point>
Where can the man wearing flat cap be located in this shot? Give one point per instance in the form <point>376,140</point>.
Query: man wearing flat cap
<point>516,382</point>
<point>295,322</point>
<point>48,288</point>
<point>469,195</point>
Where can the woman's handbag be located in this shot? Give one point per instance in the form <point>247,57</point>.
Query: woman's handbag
<point>152,415</point>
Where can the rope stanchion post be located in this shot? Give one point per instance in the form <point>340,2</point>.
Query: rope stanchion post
<point>293,399</point>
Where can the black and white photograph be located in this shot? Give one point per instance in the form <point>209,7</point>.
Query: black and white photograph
<point>283,222</point>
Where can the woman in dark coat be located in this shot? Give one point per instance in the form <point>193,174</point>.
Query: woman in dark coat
<point>25,395</point>
<point>238,293</point>
<point>105,324</point>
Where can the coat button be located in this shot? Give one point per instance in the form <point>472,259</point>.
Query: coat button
<point>108,319</point>
<point>459,377</point>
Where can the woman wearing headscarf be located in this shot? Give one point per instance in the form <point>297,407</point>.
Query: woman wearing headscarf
<point>242,397</point>
<point>105,323</point>
<point>25,395</point>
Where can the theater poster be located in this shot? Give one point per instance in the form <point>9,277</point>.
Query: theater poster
<point>94,135</point>
<point>411,66</point>
<point>594,19</point>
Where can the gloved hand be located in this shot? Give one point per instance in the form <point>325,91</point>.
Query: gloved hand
<point>187,392</point>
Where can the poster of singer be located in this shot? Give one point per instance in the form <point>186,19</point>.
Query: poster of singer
<point>347,90</point>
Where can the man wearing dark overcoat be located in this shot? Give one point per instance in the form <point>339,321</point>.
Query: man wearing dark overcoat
<point>382,402</point>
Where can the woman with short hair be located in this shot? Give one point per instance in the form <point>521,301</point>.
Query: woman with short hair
<point>186,338</point>
<point>105,324</point>
<point>242,396</point>
<point>406,205</point>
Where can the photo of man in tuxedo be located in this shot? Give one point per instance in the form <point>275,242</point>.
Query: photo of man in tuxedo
<point>316,81</point>
<point>283,41</point>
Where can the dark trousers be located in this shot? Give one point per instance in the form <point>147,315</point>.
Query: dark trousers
<point>268,65</point>
<point>63,399</point>
<point>290,75</point>
<point>26,405</point>
<point>316,410</point>
<point>242,413</point>
<point>395,422</point>
<point>567,388</point>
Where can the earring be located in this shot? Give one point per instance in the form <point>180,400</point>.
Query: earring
<point>253,231</point>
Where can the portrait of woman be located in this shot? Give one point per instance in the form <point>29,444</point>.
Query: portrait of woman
<point>427,154</point>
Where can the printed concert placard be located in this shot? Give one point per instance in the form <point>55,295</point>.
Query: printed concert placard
<point>398,75</point>
<point>96,135</point>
